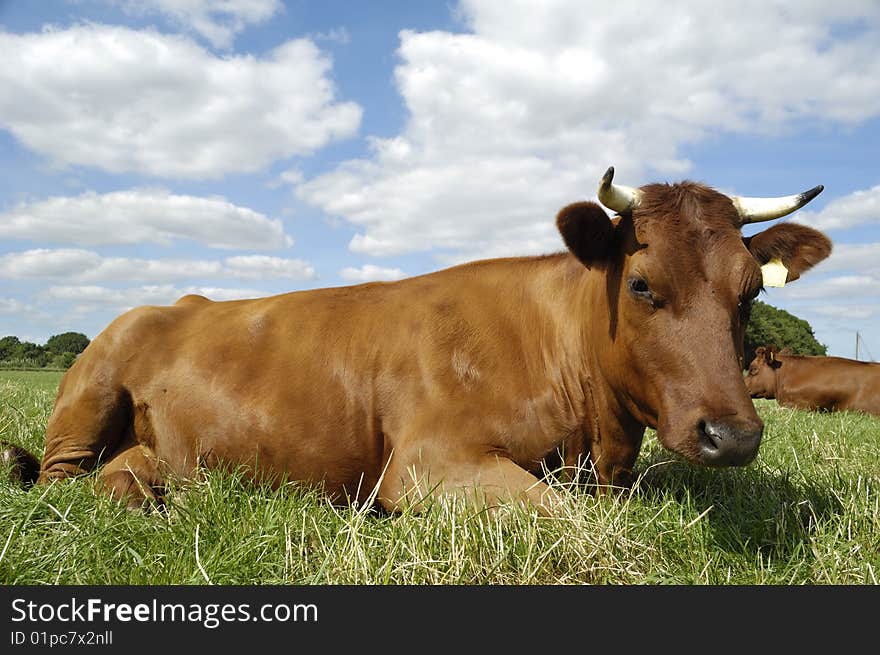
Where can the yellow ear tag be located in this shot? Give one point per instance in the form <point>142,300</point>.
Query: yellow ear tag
<point>774,273</point>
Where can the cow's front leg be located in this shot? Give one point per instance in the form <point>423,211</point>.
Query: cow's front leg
<point>613,458</point>
<point>132,476</point>
<point>416,476</point>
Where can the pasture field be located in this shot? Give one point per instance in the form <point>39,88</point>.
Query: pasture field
<point>807,511</point>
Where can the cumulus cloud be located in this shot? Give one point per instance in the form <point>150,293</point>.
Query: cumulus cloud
<point>848,312</point>
<point>370,273</point>
<point>848,286</point>
<point>11,306</point>
<point>336,35</point>
<point>218,21</point>
<point>140,216</point>
<point>260,266</point>
<point>508,123</point>
<point>15,310</point>
<point>124,100</point>
<point>88,266</point>
<point>122,299</point>
<point>852,257</point>
<point>853,210</point>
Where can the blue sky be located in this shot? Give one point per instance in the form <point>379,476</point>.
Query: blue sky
<point>250,147</point>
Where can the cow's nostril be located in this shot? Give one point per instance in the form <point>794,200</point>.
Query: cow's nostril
<point>707,442</point>
<point>724,443</point>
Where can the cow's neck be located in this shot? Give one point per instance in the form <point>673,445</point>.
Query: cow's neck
<point>611,434</point>
<point>781,391</point>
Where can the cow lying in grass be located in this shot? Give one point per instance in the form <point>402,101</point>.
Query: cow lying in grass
<point>817,383</point>
<point>459,381</point>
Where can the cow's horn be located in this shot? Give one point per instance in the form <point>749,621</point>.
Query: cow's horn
<point>755,210</point>
<point>616,196</point>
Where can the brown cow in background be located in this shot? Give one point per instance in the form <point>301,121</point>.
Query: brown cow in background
<point>817,383</point>
<point>458,381</point>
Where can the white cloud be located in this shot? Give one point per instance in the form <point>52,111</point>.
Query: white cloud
<point>336,35</point>
<point>511,122</point>
<point>15,310</point>
<point>139,216</point>
<point>218,21</point>
<point>370,273</point>
<point>852,257</point>
<point>122,299</point>
<point>88,266</point>
<point>11,306</point>
<point>291,176</point>
<point>848,312</point>
<point>858,208</point>
<point>137,101</point>
<point>843,286</point>
<point>47,263</point>
<point>462,206</point>
<point>260,266</point>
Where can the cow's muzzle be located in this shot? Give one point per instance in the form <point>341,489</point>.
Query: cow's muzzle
<point>728,443</point>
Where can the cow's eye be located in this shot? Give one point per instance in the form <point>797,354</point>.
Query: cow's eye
<point>639,288</point>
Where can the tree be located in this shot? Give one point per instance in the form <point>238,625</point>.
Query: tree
<point>68,342</point>
<point>60,351</point>
<point>64,360</point>
<point>30,354</point>
<point>770,326</point>
<point>8,346</point>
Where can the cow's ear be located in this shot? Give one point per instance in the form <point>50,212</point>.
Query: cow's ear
<point>770,357</point>
<point>798,247</point>
<point>587,231</point>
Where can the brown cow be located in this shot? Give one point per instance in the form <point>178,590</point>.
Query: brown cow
<point>462,380</point>
<point>817,383</point>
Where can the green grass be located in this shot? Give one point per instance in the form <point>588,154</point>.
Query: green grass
<point>806,512</point>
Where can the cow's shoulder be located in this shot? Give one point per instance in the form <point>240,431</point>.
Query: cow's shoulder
<point>191,299</point>
<point>150,323</point>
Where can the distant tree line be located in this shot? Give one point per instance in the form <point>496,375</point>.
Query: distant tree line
<point>60,351</point>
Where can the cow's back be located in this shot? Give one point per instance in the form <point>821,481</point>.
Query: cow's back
<point>830,383</point>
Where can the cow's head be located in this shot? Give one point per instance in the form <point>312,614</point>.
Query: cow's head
<point>761,378</point>
<point>679,279</point>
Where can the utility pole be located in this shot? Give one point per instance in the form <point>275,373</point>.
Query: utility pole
<point>861,345</point>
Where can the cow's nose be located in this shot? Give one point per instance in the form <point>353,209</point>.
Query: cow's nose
<point>727,443</point>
